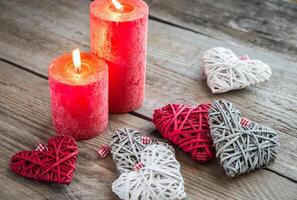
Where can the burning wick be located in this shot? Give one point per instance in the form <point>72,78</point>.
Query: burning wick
<point>117,5</point>
<point>76,60</point>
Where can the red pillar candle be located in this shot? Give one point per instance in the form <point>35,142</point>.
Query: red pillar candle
<point>79,95</point>
<point>119,35</point>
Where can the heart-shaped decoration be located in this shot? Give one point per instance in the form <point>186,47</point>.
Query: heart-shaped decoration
<point>241,145</point>
<point>187,127</point>
<point>225,71</point>
<point>126,147</point>
<point>159,178</point>
<point>55,163</point>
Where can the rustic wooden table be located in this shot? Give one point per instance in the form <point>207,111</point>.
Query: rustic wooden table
<point>33,32</point>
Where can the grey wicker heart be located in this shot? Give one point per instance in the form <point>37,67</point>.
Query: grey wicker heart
<point>126,147</point>
<point>241,145</point>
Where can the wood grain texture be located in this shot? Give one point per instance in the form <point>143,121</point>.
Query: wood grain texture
<point>25,122</point>
<point>173,72</point>
<point>174,75</point>
<point>270,24</point>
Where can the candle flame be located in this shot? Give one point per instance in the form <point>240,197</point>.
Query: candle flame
<point>76,59</point>
<point>117,5</point>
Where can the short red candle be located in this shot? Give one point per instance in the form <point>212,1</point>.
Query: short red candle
<point>79,100</point>
<point>120,37</point>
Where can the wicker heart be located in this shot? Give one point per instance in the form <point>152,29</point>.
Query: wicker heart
<point>126,147</point>
<point>160,178</point>
<point>186,127</point>
<point>56,163</point>
<point>225,71</point>
<point>241,145</point>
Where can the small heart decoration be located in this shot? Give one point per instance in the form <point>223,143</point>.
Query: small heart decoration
<point>159,178</point>
<point>187,127</point>
<point>55,163</point>
<point>241,145</point>
<point>126,147</point>
<point>225,71</point>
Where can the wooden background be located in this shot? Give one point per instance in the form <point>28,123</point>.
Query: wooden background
<point>34,32</point>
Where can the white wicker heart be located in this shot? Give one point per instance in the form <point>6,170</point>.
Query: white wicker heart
<point>225,71</point>
<point>160,178</point>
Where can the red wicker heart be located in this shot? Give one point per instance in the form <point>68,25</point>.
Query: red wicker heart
<point>187,127</point>
<point>56,164</point>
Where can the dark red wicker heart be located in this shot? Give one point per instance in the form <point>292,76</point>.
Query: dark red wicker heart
<point>187,127</point>
<point>56,164</point>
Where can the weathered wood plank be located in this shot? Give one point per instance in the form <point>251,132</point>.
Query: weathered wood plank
<point>270,24</point>
<point>173,73</point>
<point>25,122</point>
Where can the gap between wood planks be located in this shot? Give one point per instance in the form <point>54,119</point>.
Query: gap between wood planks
<point>256,24</point>
<point>134,113</point>
<point>26,107</point>
<point>157,19</point>
<point>170,68</point>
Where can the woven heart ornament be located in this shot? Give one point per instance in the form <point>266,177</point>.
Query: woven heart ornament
<point>225,71</point>
<point>159,178</point>
<point>126,147</point>
<point>241,145</point>
<point>54,162</point>
<point>187,127</point>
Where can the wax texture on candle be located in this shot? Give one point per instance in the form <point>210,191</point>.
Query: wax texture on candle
<point>79,101</point>
<point>120,37</point>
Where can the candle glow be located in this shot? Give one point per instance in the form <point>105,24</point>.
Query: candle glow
<point>76,59</point>
<point>79,103</point>
<point>117,5</point>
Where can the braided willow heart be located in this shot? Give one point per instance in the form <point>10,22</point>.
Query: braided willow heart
<point>225,71</point>
<point>186,127</point>
<point>241,145</point>
<point>159,178</point>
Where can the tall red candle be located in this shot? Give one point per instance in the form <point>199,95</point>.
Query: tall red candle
<point>79,96</point>
<point>119,35</point>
